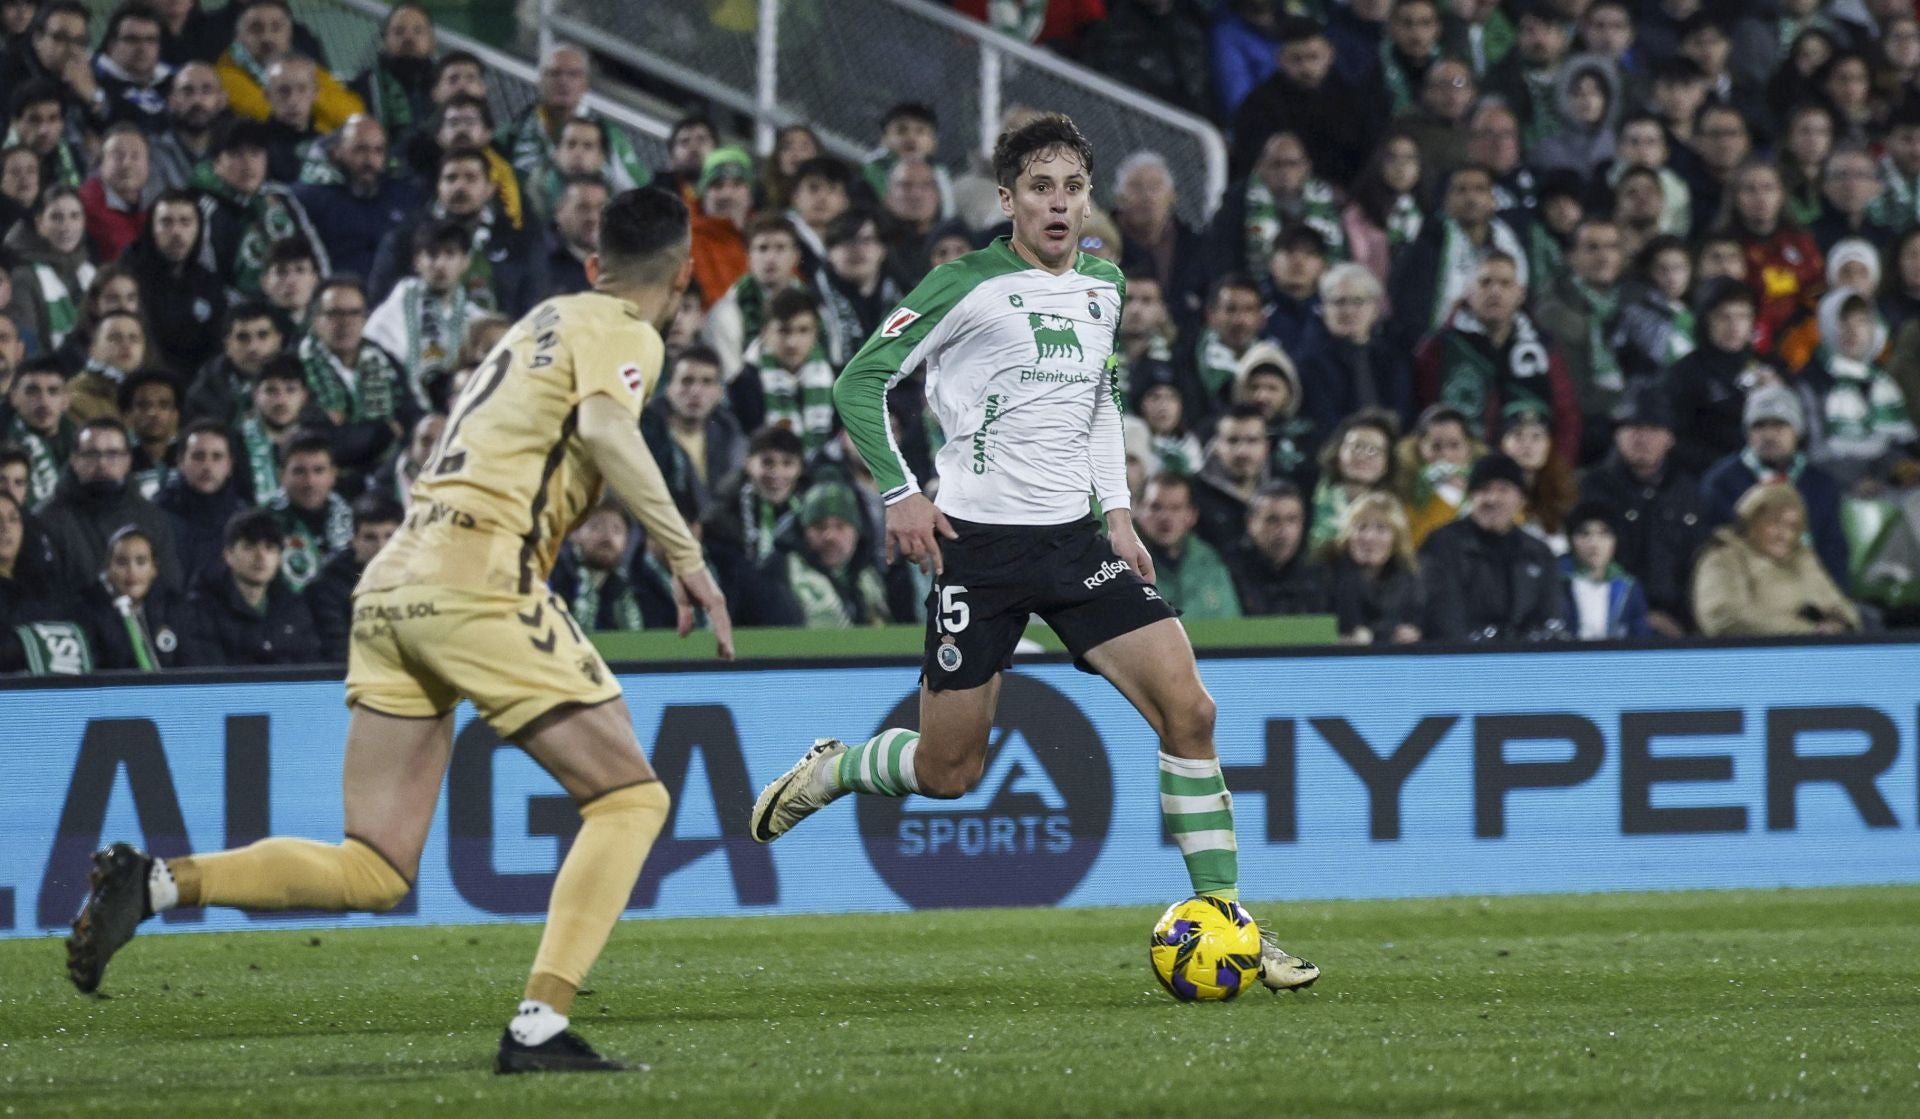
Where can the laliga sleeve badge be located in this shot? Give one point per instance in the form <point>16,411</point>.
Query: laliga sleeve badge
<point>898,322</point>
<point>948,655</point>
<point>635,380</point>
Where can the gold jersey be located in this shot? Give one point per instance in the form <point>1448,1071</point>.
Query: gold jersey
<point>511,476</point>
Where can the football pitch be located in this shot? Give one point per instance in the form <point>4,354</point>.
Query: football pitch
<point>1652,1004</point>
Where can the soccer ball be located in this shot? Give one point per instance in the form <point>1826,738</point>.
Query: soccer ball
<point>1205,949</point>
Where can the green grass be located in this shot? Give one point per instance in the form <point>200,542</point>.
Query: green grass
<point>1666,1004</point>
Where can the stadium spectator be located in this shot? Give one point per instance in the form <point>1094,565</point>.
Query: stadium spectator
<point>1851,192</point>
<point>242,612</point>
<point>262,34</point>
<point>1707,389</point>
<point>1867,431</point>
<point>223,387</point>
<point>689,142</point>
<point>1272,570</point>
<point>773,266</point>
<point>38,423</point>
<point>280,407</point>
<point>35,562</point>
<point>13,351</point>
<point>1580,311</point>
<point>396,478</point>
<point>243,212</point>
<point>1373,574</point>
<point>196,105</point>
<point>376,517</point>
<point>1603,601</point>
<point>854,288</point>
<point>1484,579</point>
<point>37,124</point>
<point>1526,437</point>
<point>55,56</point>
<point>38,635</point>
<point>315,521</point>
<point>133,620</point>
<point>1171,446</point>
<point>690,413</point>
<point>1759,577</point>
<point>1438,269</point>
<point>118,349</point>
<point>1662,519</point>
<point>912,205</point>
<point>1235,316</point>
<point>129,71</point>
<point>397,86</point>
<point>1245,47</point>
<point>793,145</point>
<point>20,184</point>
<point>1346,363</point>
<point>1236,465</point>
<point>354,199</point>
<point>289,281</point>
<point>508,271</point>
<point>1158,47</point>
<point>1356,459</point>
<point>531,139</point>
<point>1785,269</point>
<point>423,320</point>
<point>786,381</point>
<point>54,270</point>
<point>356,383</point>
<point>580,151</point>
<point>1335,118</point>
<point>1189,572</point>
<point>1442,121</point>
<point>820,194</point>
<point>1776,426</point>
<point>1586,105</point>
<point>150,402</point>
<point>1292,286</point>
<point>1488,355</point>
<point>1656,326</point>
<point>720,224</point>
<point>1411,47</point>
<point>115,198</point>
<point>822,578</point>
<point>1268,385</point>
<point>1384,213</point>
<point>753,508</point>
<point>292,137</point>
<point>200,497</point>
<point>93,501</point>
<point>589,575</point>
<point>909,132</point>
<point>1156,240</point>
<point>457,73</point>
<point>465,123</point>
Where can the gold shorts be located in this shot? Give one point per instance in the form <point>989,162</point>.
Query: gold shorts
<point>417,650</point>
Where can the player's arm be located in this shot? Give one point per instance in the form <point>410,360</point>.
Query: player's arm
<point>860,396</point>
<point>608,429</point>
<point>1108,451</point>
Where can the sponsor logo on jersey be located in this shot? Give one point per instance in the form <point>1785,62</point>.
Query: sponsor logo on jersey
<point>1025,835</point>
<point>635,380</point>
<point>898,322</point>
<point>1054,336</point>
<point>982,457</point>
<point>1109,571</point>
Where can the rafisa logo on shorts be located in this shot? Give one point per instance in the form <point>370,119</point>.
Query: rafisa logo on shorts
<point>1109,571</point>
<point>1025,835</point>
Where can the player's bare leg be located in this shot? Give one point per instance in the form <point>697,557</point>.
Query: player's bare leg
<point>1154,668</point>
<point>592,752</point>
<point>390,784</point>
<point>943,759</point>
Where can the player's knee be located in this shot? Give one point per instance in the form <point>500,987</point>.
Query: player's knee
<point>373,885</point>
<point>1188,724</point>
<point>384,896</point>
<point>949,780</point>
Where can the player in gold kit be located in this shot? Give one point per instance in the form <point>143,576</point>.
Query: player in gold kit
<point>456,606</point>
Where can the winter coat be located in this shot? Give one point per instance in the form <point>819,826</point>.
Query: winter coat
<point>224,630</point>
<point>163,616</point>
<point>1198,584</point>
<point>1662,526</point>
<point>1573,147</point>
<point>111,229</point>
<point>28,601</point>
<point>184,302</point>
<point>513,257</point>
<point>1338,377</point>
<point>199,522</point>
<point>1708,390</point>
<point>1463,366</point>
<point>1729,479</point>
<point>791,588</point>
<point>1565,316</point>
<point>1626,604</point>
<point>1299,586</point>
<point>330,600</point>
<point>1486,587</point>
<point>1740,592</point>
<point>1787,272</point>
<point>1378,604</point>
<point>30,306</point>
<point>1650,334</point>
<point>80,525</point>
<point>1337,123</point>
<point>350,225</point>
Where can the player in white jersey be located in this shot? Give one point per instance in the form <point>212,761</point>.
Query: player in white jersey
<point>1018,343</point>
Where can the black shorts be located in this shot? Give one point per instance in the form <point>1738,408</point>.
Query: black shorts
<point>996,575</point>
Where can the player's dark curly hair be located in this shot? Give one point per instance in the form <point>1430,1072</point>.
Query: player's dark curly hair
<point>1017,147</point>
<point>644,235</point>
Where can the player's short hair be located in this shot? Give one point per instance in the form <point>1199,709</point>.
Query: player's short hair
<point>772,439</point>
<point>441,236</point>
<point>911,110</point>
<point>645,235</point>
<point>291,250</point>
<point>791,303</point>
<point>141,379</point>
<point>772,225</point>
<point>309,442</point>
<point>253,526</point>
<point>282,367</point>
<point>376,509</point>
<point>1017,147</point>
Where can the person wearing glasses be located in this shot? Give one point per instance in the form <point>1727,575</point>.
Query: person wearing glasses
<point>93,501</point>
<point>129,70</point>
<point>56,51</point>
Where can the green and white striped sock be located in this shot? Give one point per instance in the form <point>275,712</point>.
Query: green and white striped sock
<point>882,765</point>
<point>1199,812</point>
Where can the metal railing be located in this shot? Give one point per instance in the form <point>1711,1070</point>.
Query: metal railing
<point>838,66</point>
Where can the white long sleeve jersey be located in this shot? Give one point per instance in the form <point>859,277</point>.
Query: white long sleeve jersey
<point>1020,374</point>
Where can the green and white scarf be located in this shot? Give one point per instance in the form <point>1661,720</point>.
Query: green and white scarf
<point>364,391</point>
<point>66,169</point>
<point>145,655</point>
<point>270,218</point>
<point>800,400</point>
<point>47,455</point>
<point>1318,208</point>
<point>305,551</point>
<point>531,150</point>
<point>388,100</point>
<point>1460,261</point>
<point>1400,92</point>
<point>1177,454</point>
<point>1603,310</point>
<point>585,606</point>
<point>1899,206</point>
<point>424,329</point>
<point>1864,409</point>
<point>1680,333</point>
<point>1022,19</point>
<point>1404,222</point>
<point>1217,362</point>
<point>242,58</point>
<point>63,312</point>
<point>262,453</point>
<point>55,649</point>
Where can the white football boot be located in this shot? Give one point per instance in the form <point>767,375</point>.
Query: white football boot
<point>797,793</point>
<point>1280,969</point>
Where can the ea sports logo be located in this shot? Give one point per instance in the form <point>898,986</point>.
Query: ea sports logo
<point>1025,835</point>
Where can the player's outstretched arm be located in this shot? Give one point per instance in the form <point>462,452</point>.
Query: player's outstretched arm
<point>609,432</point>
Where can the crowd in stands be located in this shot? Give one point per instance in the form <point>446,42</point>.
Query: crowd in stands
<point>1520,319</point>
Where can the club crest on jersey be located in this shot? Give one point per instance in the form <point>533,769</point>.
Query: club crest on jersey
<point>948,655</point>
<point>1093,304</point>
<point>898,322</point>
<point>631,377</point>
<point>1053,336</point>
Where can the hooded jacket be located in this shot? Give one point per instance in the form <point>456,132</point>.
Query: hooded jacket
<point>1577,147</point>
<point>80,522</point>
<point>184,301</point>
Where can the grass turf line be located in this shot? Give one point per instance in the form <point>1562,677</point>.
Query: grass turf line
<point>1650,1004</point>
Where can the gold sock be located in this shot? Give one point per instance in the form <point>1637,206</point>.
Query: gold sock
<point>291,874</point>
<point>591,891</point>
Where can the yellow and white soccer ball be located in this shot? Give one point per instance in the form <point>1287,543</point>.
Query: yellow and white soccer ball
<point>1205,949</point>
